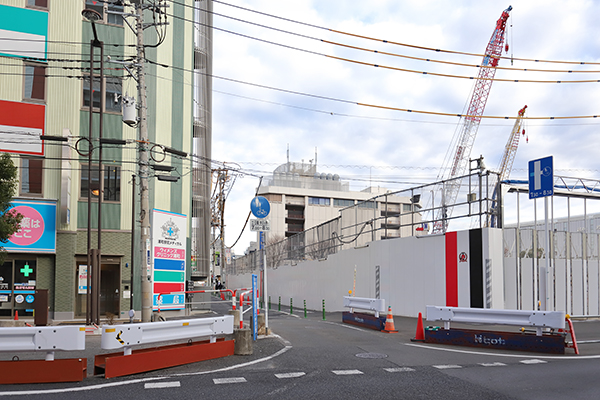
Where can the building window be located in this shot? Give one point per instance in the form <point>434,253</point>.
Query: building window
<point>343,202</point>
<point>319,201</point>
<point>38,4</point>
<point>273,198</point>
<point>406,208</point>
<point>32,171</point>
<point>106,9</point>
<point>112,182</point>
<point>113,89</point>
<point>367,204</point>
<point>35,82</point>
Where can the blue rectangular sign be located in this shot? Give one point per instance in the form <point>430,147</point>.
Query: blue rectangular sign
<point>169,301</point>
<point>171,265</point>
<point>541,178</point>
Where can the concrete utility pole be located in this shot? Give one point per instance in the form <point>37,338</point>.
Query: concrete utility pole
<point>143,170</point>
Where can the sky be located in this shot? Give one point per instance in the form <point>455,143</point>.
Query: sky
<point>367,146</point>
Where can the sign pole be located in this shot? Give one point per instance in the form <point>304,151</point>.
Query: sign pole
<point>254,305</point>
<point>541,184</point>
<point>260,208</point>
<point>546,276</point>
<point>265,291</point>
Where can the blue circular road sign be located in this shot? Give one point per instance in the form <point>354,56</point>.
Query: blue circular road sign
<point>260,207</point>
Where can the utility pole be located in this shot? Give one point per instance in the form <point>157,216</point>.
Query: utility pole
<point>143,170</point>
<point>222,180</point>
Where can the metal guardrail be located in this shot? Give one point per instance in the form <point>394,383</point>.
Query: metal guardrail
<point>532,318</point>
<point>43,338</point>
<point>127,335</point>
<point>363,303</point>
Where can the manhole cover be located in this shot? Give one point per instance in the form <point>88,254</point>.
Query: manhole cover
<point>371,355</point>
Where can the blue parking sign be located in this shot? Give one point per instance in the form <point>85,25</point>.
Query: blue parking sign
<point>541,178</point>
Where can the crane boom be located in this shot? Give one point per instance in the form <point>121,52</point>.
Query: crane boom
<point>471,120</point>
<point>511,147</point>
<point>506,164</point>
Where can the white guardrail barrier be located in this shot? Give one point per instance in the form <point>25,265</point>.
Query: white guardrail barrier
<point>127,335</point>
<point>363,303</point>
<point>534,318</point>
<point>43,338</point>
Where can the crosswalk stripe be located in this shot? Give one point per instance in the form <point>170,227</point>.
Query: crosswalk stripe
<point>219,381</point>
<point>449,366</point>
<point>533,361</point>
<point>290,375</point>
<point>399,369</point>
<point>159,385</point>
<point>347,372</point>
<point>494,364</point>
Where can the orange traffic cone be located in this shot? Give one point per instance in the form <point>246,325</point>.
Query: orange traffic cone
<point>420,335</point>
<point>389,322</point>
<point>16,315</point>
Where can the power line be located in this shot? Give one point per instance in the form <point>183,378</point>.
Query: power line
<point>389,67</point>
<point>376,51</point>
<point>437,50</point>
<point>369,105</point>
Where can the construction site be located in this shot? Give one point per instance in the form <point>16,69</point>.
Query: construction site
<point>474,238</point>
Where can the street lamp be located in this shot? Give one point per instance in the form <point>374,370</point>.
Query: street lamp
<point>94,256</point>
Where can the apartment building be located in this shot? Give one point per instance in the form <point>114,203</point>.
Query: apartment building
<point>45,90</point>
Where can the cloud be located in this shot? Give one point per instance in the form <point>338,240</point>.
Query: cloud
<point>255,131</point>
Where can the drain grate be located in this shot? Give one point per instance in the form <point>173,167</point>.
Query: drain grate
<point>371,355</point>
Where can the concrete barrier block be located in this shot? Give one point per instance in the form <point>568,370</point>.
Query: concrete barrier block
<point>244,345</point>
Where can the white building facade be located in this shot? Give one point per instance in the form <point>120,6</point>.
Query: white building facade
<point>302,198</point>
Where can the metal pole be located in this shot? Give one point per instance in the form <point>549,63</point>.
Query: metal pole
<point>518,249</point>
<point>265,290</point>
<point>132,241</point>
<point>98,272</point>
<point>146,277</point>
<point>88,316</point>
<point>545,275</point>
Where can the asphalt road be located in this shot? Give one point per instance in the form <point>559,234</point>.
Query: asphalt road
<point>308,358</point>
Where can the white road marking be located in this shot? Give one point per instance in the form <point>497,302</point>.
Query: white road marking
<point>141,380</point>
<point>533,361</point>
<point>343,325</point>
<point>399,369</point>
<point>159,385</point>
<point>220,381</point>
<point>447,366</point>
<point>494,364</point>
<point>347,372</point>
<point>578,357</point>
<point>290,375</point>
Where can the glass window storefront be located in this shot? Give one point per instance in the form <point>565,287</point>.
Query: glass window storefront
<point>17,287</point>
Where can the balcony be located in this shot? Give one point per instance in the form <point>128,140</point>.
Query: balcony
<point>390,222</point>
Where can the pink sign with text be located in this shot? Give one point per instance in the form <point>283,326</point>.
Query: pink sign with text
<point>169,253</point>
<point>31,226</point>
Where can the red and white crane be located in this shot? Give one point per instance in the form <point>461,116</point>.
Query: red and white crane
<point>457,165</point>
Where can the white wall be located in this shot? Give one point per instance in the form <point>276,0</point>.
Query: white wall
<point>412,275</point>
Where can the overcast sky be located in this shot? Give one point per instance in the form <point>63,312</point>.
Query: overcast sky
<point>253,126</point>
